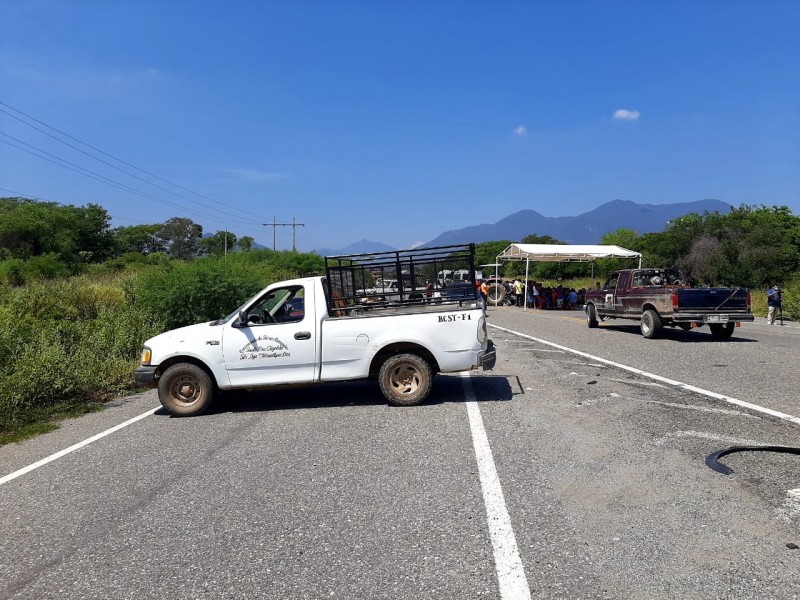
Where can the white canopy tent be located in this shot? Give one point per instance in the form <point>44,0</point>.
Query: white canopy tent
<point>562,253</point>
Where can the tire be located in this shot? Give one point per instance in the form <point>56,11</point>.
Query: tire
<point>650,324</point>
<point>497,294</point>
<point>185,390</point>
<point>722,331</point>
<point>591,316</point>
<point>405,379</point>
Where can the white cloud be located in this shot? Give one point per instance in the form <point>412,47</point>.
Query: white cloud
<point>623,114</point>
<point>416,245</point>
<point>520,130</point>
<point>253,174</point>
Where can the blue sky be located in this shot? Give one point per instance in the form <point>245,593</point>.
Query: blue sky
<point>396,121</point>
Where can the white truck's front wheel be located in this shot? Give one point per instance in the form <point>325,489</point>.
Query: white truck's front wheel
<point>185,390</point>
<point>405,379</point>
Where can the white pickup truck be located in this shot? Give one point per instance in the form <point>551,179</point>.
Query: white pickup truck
<point>299,332</point>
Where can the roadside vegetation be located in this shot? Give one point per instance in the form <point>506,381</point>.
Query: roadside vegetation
<point>77,298</point>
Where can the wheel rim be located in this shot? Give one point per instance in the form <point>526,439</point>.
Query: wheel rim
<point>646,326</point>
<point>186,390</point>
<point>405,380</point>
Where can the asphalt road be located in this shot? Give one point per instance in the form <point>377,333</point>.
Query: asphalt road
<point>326,492</point>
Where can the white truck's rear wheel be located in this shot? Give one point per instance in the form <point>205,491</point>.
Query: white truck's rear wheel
<point>185,390</point>
<point>405,379</point>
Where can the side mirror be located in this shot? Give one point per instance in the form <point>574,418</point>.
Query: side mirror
<point>241,321</point>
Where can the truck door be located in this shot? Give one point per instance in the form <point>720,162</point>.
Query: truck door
<point>609,293</point>
<point>626,297</point>
<point>278,341</point>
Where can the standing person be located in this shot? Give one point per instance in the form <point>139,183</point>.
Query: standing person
<point>518,290</point>
<point>774,302</point>
<point>559,297</point>
<point>484,291</point>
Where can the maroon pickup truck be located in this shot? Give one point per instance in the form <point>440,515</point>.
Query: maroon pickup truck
<point>661,297</point>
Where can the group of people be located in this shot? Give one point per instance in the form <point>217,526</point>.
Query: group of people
<point>545,297</point>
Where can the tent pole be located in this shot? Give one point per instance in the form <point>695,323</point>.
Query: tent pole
<point>527,266</point>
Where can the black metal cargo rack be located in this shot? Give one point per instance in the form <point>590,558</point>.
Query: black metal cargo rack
<point>400,278</point>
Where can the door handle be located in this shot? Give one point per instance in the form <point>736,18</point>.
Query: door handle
<point>302,335</point>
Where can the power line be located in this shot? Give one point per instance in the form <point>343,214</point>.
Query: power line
<point>114,158</point>
<point>93,175</point>
<point>20,194</point>
<point>44,155</point>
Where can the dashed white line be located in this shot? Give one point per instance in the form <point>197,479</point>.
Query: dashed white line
<point>672,382</point>
<point>508,564</point>
<point>74,447</point>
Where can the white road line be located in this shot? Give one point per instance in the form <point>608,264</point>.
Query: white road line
<point>74,447</point>
<point>508,564</point>
<point>733,441</point>
<point>721,411</point>
<point>679,384</point>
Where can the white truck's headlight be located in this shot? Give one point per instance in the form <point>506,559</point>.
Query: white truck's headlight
<point>146,354</point>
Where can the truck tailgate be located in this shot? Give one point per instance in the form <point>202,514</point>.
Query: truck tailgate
<point>712,299</point>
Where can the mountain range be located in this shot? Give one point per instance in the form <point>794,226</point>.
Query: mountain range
<point>586,228</point>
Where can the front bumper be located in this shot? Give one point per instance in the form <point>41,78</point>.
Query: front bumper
<point>489,357</point>
<point>146,376</point>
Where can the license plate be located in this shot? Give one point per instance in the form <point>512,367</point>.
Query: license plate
<point>716,319</point>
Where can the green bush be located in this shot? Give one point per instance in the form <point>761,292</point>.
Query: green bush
<point>65,343</point>
<point>12,272</point>
<point>200,290</point>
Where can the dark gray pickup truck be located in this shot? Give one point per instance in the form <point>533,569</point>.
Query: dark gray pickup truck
<point>661,297</point>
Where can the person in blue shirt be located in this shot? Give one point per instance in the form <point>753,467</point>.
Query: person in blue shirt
<point>572,299</point>
<point>773,302</point>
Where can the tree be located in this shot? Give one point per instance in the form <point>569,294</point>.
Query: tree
<point>138,238</point>
<point>92,233</point>
<point>30,228</point>
<point>486,252</point>
<point>705,262</point>
<point>246,243</point>
<point>180,237</point>
<point>218,244</point>
<point>625,238</point>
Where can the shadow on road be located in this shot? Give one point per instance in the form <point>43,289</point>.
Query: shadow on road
<point>446,389</point>
<point>696,336</point>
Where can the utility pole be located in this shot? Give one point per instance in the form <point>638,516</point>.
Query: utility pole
<point>294,227</point>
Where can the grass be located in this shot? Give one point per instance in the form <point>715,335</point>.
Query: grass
<point>45,419</point>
